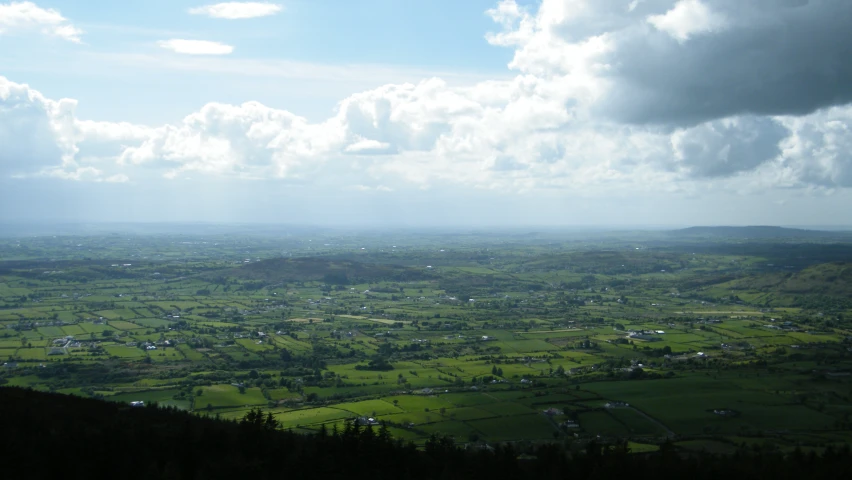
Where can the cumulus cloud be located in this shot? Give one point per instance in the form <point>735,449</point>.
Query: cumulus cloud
<point>704,60</point>
<point>366,146</point>
<point>688,18</point>
<point>33,129</point>
<point>196,47</point>
<point>819,150</point>
<point>27,16</point>
<point>248,140</point>
<point>725,147</point>
<point>654,96</point>
<point>43,137</point>
<point>237,10</point>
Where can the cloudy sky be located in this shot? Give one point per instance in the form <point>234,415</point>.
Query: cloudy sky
<point>427,112</point>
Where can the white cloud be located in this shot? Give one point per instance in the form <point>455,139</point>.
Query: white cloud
<point>558,126</point>
<point>819,150</point>
<point>633,4</point>
<point>44,137</point>
<point>688,18</point>
<point>27,16</point>
<point>367,146</point>
<point>770,57</point>
<point>196,47</point>
<point>237,10</point>
<point>367,188</point>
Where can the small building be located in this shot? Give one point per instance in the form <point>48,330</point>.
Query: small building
<point>726,412</point>
<point>137,403</point>
<point>364,421</point>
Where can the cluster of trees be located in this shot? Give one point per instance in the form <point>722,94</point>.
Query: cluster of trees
<point>151,442</point>
<point>377,363</point>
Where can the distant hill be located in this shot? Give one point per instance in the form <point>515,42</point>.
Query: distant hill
<point>337,272</point>
<point>827,279</point>
<point>832,279</point>
<point>759,232</point>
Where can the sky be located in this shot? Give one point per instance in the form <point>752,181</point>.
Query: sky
<point>427,112</point>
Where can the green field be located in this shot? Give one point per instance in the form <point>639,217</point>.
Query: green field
<point>754,339</point>
<point>230,396</point>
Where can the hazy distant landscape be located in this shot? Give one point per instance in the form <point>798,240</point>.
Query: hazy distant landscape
<point>710,338</point>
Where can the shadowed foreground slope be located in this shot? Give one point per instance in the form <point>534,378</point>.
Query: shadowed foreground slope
<point>56,436</point>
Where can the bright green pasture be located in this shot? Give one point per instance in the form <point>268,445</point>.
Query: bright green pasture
<point>150,322</point>
<point>74,330</point>
<point>230,396</point>
<point>419,403</point>
<point>89,327</point>
<point>309,416</point>
<point>162,397</point>
<point>252,345</point>
<point>281,394</point>
<point>370,407</point>
<point>123,325</point>
<point>525,346</point>
<point>642,447</point>
<point>35,353</point>
<point>51,331</point>
<point>190,353</point>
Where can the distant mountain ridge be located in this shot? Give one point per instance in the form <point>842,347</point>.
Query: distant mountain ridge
<point>757,231</point>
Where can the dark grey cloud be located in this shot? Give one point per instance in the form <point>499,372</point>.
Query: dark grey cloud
<point>773,57</point>
<point>725,147</point>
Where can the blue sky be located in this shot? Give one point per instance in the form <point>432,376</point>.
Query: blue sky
<point>427,112</point>
<point>413,39</point>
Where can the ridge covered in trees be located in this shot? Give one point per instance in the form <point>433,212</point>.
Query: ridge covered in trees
<point>57,436</point>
